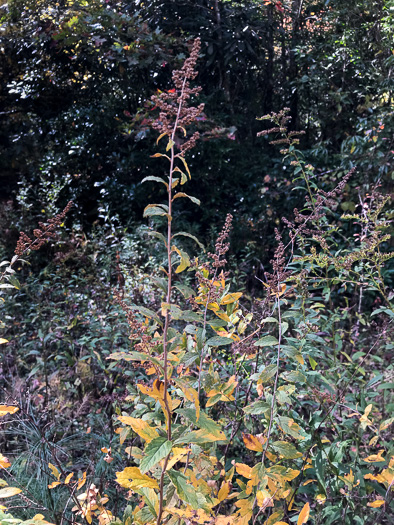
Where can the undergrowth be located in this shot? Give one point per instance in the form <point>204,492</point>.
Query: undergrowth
<point>180,402</point>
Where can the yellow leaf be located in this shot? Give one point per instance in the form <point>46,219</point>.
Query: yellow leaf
<point>54,471</point>
<point>274,517</point>
<point>245,507</point>
<point>7,492</point>
<point>364,418</point>
<point>68,478</point>
<point>39,517</point>
<point>224,520</point>
<point>4,462</point>
<point>54,484</point>
<point>4,409</point>
<point>231,298</point>
<point>132,478</point>
<point>224,491</point>
<point>244,470</point>
<point>386,424</point>
<point>191,394</point>
<point>3,341</point>
<point>321,498</point>
<point>377,503</point>
<point>264,499</point>
<point>253,443</point>
<point>140,427</point>
<point>375,457</point>
<point>280,523</point>
<point>304,515</point>
<point>81,481</point>
<point>178,454</point>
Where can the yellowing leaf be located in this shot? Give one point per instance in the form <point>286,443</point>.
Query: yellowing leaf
<point>377,503</point>
<point>132,478</point>
<point>264,499</point>
<point>178,454</point>
<point>231,298</point>
<point>4,462</point>
<point>68,478</point>
<point>224,520</point>
<point>7,492</point>
<point>386,424</point>
<point>304,514</point>
<point>54,484</point>
<point>245,507</point>
<point>81,481</point>
<point>364,418</point>
<point>4,409</point>
<point>190,393</point>
<point>253,442</point>
<point>244,470</point>
<point>321,498</point>
<point>289,426</point>
<point>140,427</point>
<point>375,457</point>
<point>54,471</point>
<point>3,341</point>
<point>224,491</point>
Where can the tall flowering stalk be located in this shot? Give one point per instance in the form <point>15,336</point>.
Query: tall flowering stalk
<point>175,115</point>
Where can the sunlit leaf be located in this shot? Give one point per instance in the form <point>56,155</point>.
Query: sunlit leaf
<point>8,492</point>
<point>155,451</point>
<point>132,478</point>
<point>304,514</point>
<point>4,409</point>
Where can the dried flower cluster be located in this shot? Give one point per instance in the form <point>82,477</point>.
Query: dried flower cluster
<point>173,104</point>
<point>138,330</point>
<point>208,288</point>
<point>44,233</point>
<point>221,246</point>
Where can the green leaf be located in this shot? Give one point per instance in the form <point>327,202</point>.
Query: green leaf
<point>289,426</point>
<point>285,449</point>
<point>218,340</point>
<point>267,340</point>
<point>203,422</point>
<point>150,211</point>
<point>319,465</point>
<point>200,437</point>
<point>147,313</point>
<point>186,291</point>
<point>159,236</point>
<point>267,373</point>
<point>312,362</point>
<point>187,493</point>
<point>294,377</point>
<point>186,234</point>
<point>155,179</point>
<point>155,451</point>
<point>135,356</point>
<point>258,407</point>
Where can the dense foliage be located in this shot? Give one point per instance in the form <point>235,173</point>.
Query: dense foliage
<point>170,369</point>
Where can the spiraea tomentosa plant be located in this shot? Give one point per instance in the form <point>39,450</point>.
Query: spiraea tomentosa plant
<point>220,383</point>
<point>235,417</point>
